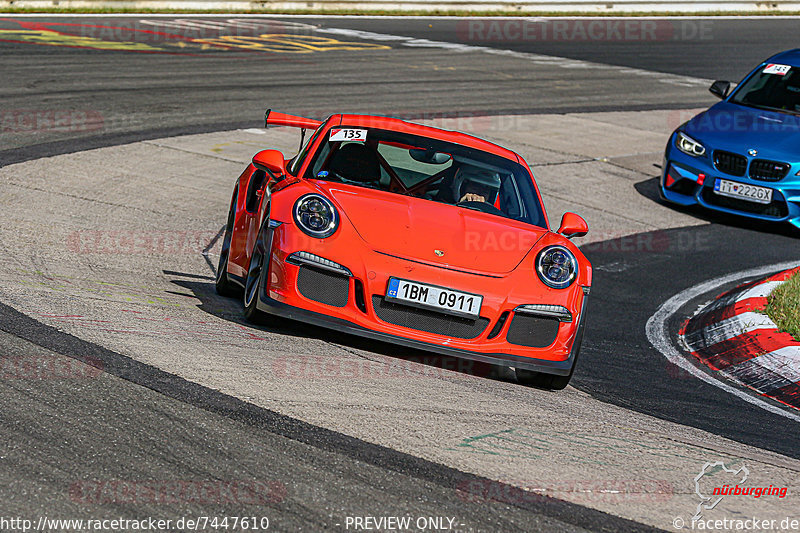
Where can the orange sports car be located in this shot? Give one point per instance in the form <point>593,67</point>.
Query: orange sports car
<point>412,235</point>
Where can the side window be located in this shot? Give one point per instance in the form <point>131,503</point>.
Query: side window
<point>297,162</point>
<point>256,182</point>
<point>322,157</point>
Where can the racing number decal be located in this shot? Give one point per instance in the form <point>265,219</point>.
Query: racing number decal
<point>348,134</point>
<point>780,70</point>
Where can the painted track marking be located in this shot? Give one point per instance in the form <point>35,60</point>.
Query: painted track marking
<point>539,59</point>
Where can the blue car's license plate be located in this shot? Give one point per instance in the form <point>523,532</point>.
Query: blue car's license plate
<point>751,193</point>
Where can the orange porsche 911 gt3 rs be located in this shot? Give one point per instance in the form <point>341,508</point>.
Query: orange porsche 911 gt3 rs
<point>411,235</point>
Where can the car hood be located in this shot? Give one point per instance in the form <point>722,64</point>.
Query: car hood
<point>415,229</point>
<point>738,129</point>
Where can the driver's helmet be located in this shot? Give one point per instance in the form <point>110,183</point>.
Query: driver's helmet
<point>355,163</point>
<point>470,179</point>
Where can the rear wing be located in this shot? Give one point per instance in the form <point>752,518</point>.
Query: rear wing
<point>274,118</point>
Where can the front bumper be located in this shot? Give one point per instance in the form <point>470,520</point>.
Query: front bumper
<point>687,180</point>
<point>283,294</point>
<point>561,368</point>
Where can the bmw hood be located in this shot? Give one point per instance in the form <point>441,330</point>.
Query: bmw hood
<point>432,232</point>
<point>738,129</point>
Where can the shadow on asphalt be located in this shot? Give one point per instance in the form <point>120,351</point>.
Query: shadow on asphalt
<point>633,276</point>
<point>650,189</point>
<point>230,309</point>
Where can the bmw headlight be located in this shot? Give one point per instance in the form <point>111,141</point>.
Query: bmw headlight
<point>556,267</point>
<point>689,146</point>
<point>316,216</point>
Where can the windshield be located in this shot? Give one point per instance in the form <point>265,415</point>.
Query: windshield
<point>774,87</point>
<point>429,169</point>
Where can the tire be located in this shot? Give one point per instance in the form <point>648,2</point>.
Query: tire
<point>223,285</point>
<point>504,373</point>
<point>540,380</point>
<point>254,280</point>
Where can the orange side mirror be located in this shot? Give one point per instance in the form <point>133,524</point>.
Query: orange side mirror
<point>271,162</point>
<point>573,225</point>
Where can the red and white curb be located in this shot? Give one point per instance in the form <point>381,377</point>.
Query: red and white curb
<point>731,337</point>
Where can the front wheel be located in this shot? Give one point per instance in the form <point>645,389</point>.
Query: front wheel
<point>541,380</point>
<point>223,285</point>
<point>252,284</point>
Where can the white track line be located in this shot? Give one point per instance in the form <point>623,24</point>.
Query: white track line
<point>659,337</point>
<point>538,59</point>
<point>412,42</point>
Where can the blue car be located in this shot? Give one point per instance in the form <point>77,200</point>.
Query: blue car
<point>742,155</point>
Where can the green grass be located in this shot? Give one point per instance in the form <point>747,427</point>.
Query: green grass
<point>433,12</point>
<point>783,306</point>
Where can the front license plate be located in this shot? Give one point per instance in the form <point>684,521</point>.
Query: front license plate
<point>433,297</point>
<point>760,195</point>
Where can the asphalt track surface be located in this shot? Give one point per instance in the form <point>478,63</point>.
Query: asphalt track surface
<point>138,419</point>
<point>157,95</point>
<point>620,305</point>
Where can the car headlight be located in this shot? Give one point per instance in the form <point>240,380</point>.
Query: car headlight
<point>316,216</point>
<point>689,146</point>
<point>556,267</point>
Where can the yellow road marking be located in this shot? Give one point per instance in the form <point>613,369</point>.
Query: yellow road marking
<point>51,38</point>
<point>267,42</point>
<point>287,43</point>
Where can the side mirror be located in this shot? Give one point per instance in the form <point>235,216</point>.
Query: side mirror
<point>573,225</point>
<point>720,88</point>
<point>271,162</point>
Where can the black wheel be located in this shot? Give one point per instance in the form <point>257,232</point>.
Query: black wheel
<point>504,373</point>
<point>550,381</point>
<point>255,275</point>
<point>223,285</point>
<point>541,380</point>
